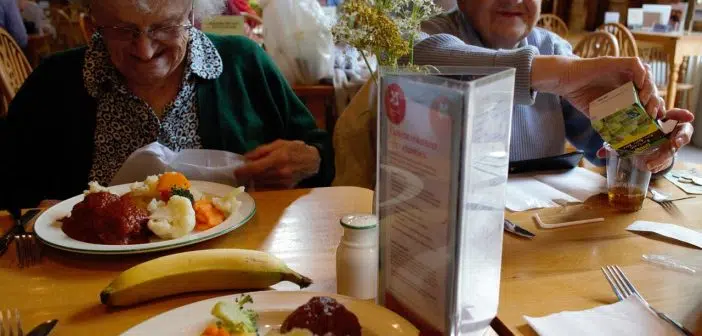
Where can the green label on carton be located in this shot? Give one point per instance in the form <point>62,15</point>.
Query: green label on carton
<point>623,123</point>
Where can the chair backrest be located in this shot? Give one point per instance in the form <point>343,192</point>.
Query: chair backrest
<point>554,24</point>
<point>66,34</point>
<point>596,44</point>
<point>627,43</point>
<point>14,67</point>
<point>657,59</point>
<point>85,32</point>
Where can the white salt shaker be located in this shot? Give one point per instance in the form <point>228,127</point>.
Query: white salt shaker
<point>357,257</point>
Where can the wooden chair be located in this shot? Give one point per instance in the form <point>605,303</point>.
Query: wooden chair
<point>596,44</point>
<point>67,36</point>
<point>14,68</point>
<point>657,59</point>
<point>627,43</point>
<point>85,31</point>
<point>554,24</point>
<point>38,47</point>
<point>318,99</point>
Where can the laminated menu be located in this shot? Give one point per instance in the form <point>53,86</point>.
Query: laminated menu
<point>622,121</point>
<point>443,157</point>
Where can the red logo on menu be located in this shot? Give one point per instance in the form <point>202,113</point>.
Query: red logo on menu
<point>395,103</point>
<point>439,116</point>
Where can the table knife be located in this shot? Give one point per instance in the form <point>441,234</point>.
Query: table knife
<point>518,230</point>
<point>43,329</point>
<point>20,222</point>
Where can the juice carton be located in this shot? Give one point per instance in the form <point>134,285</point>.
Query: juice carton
<point>622,121</point>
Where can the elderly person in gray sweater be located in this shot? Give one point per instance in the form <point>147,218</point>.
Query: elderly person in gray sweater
<point>553,88</point>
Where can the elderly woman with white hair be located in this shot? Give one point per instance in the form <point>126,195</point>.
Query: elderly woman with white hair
<point>148,75</point>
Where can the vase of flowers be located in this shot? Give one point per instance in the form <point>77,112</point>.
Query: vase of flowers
<point>384,33</point>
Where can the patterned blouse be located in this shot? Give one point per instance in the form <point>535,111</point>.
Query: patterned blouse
<point>126,122</point>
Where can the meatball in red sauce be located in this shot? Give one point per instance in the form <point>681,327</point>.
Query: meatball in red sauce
<point>323,316</point>
<point>105,218</point>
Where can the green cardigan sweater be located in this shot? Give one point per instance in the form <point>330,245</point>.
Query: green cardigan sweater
<point>47,146</point>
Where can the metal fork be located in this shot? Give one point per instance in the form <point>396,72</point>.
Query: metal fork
<point>10,323</point>
<point>666,201</point>
<point>28,249</point>
<point>623,288</point>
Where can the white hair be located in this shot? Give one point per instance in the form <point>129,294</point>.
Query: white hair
<point>202,8</point>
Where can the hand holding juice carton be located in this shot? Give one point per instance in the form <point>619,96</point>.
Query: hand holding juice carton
<point>622,121</point>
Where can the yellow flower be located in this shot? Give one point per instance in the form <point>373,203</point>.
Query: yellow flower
<point>367,27</point>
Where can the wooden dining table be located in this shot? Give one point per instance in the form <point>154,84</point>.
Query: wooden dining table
<point>556,271</point>
<point>299,226</point>
<point>560,269</point>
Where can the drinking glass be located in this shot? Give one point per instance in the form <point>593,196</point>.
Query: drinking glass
<point>627,179</point>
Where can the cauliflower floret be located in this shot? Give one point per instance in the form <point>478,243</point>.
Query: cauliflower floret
<point>154,205</point>
<point>146,188</point>
<point>228,204</point>
<point>94,187</point>
<point>173,219</point>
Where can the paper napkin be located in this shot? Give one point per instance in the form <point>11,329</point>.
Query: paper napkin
<point>624,318</point>
<point>196,164</point>
<point>676,232</point>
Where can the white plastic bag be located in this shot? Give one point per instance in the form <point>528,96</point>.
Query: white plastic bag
<point>297,35</point>
<point>196,164</point>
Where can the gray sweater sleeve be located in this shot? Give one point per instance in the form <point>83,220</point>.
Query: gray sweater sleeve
<point>449,50</point>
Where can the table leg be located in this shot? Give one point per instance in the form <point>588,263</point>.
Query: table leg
<point>672,83</point>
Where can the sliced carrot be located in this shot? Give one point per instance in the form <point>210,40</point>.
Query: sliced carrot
<point>207,215</point>
<point>223,332</point>
<point>172,179</point>
<point>211,330</point>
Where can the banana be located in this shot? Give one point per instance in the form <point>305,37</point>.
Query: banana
<point>203,270</point>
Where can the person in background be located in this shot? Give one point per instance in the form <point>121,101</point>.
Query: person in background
<point>148,75</point>
<point>11,20</point>
<point>553,88</point>
<point>34,15</point>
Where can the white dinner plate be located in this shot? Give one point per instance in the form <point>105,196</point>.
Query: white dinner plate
<point>48,229</point>
<point>272,308</point>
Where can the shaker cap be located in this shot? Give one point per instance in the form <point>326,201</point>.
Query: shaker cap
<point>359,221</point>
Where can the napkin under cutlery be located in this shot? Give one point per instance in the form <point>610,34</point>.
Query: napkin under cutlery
<point>627,317</point>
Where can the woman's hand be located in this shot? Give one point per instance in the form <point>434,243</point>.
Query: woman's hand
<point>681,135</point>
<point>280,164</point>
<point>662,159</point>
<point>582,80</point>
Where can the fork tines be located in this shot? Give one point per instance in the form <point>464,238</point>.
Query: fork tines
<point>670,207</point>
<point>10,323</point>
<point>621,285</point>
<point>623,288</point>
<point>28,249</point>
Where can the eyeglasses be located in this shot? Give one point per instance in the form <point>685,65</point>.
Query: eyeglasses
<point>167,33</point>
